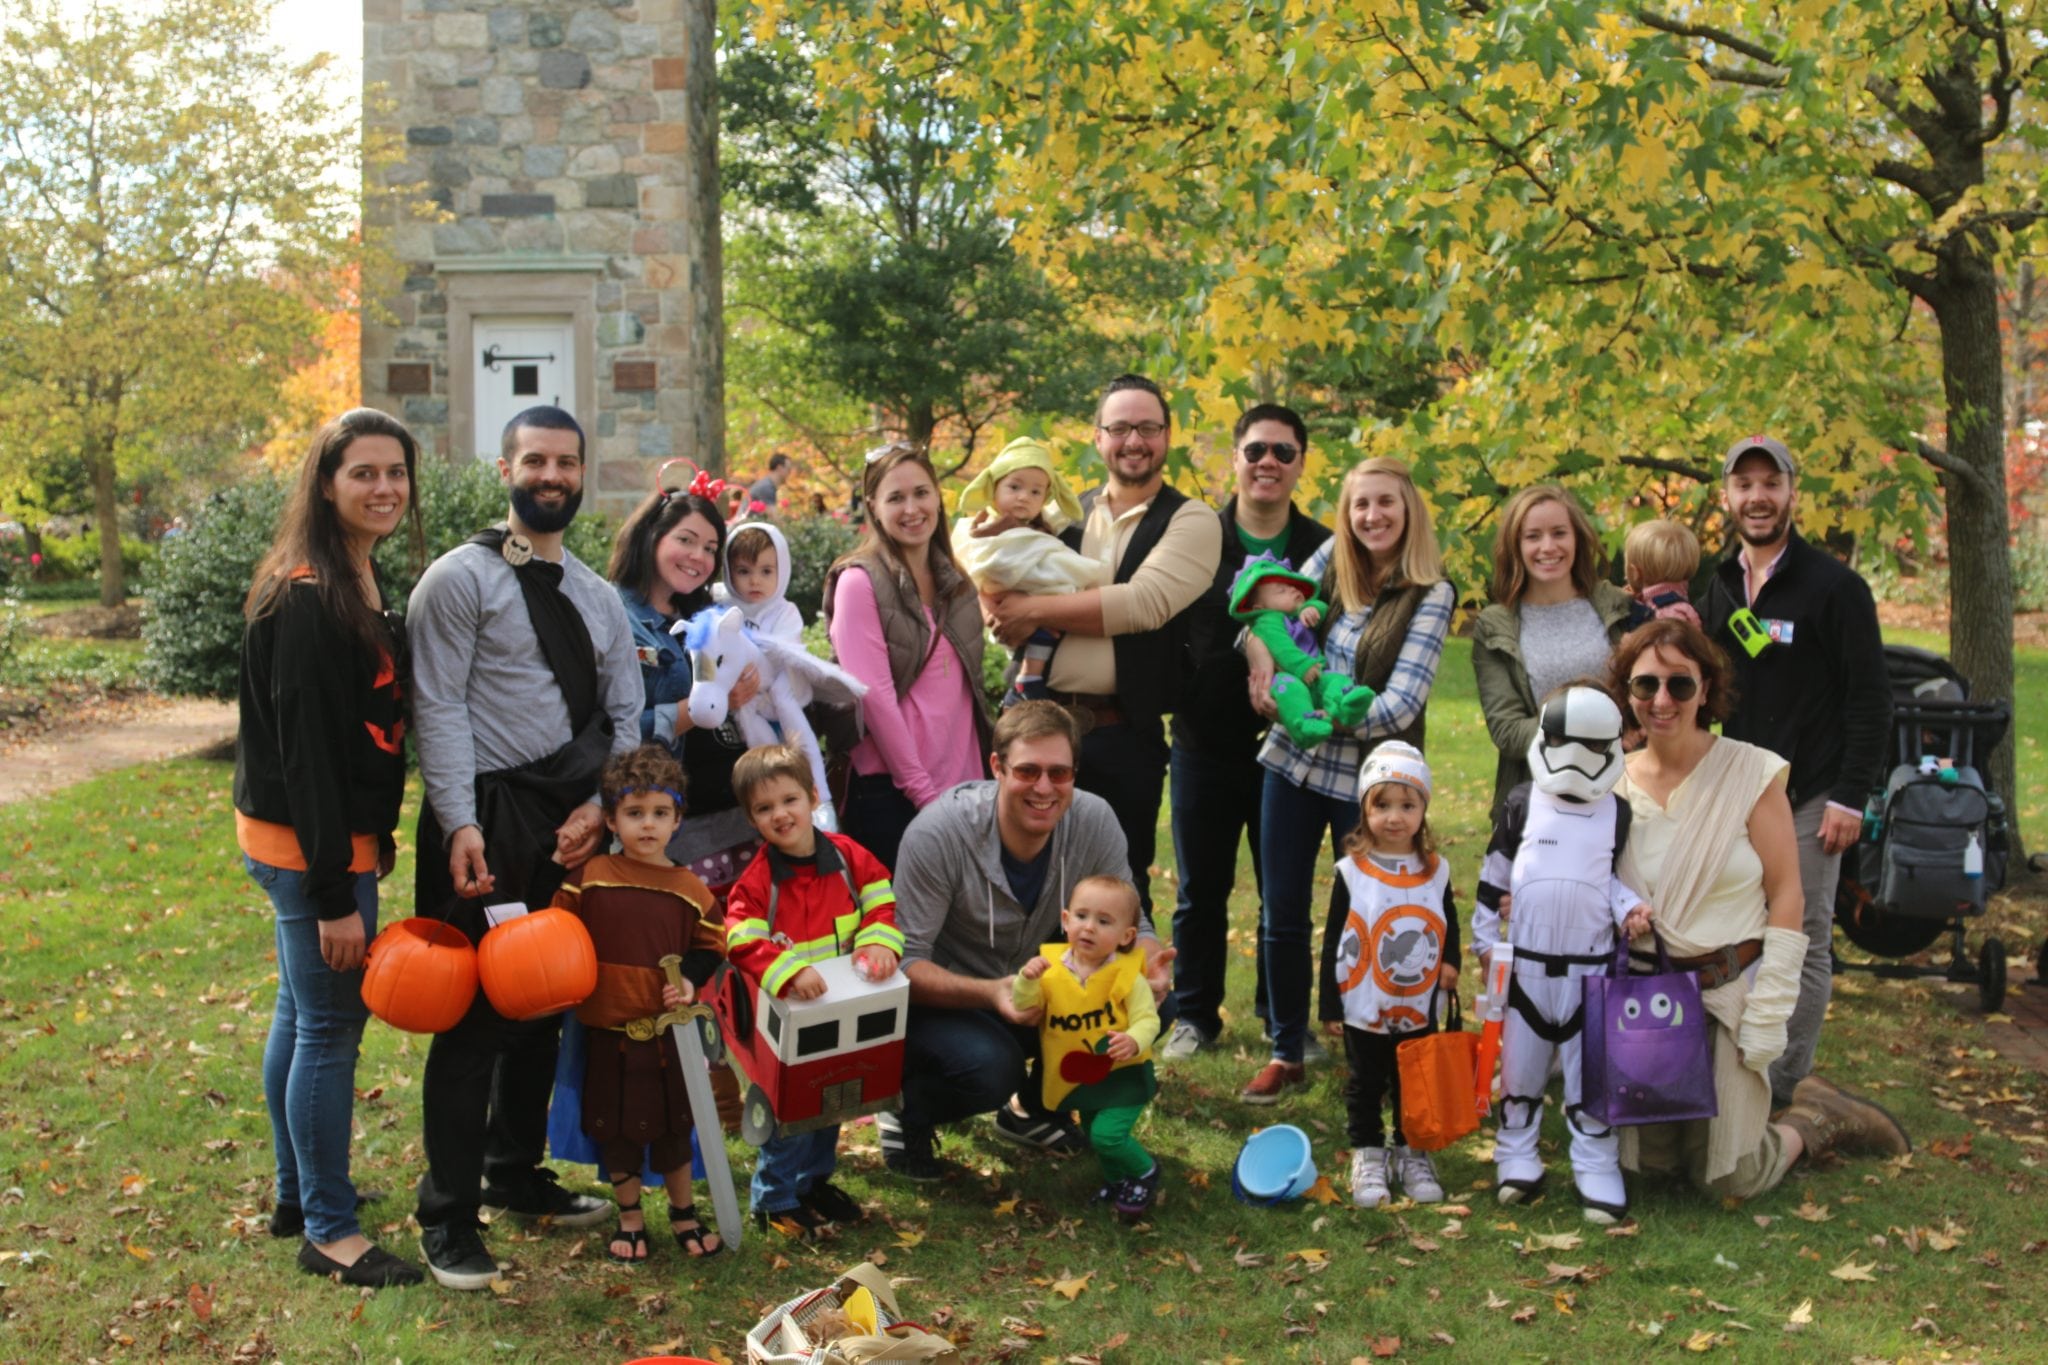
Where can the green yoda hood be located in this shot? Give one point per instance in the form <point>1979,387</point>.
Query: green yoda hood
<point>1258,569</point>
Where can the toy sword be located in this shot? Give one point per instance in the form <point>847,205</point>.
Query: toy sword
<point>686,1022</point>
<point>1492,1007</point>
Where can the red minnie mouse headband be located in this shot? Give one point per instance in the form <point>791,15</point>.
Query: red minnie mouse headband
<point>703,486</point>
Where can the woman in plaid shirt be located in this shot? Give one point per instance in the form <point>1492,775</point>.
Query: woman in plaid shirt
<point>1390,608</point>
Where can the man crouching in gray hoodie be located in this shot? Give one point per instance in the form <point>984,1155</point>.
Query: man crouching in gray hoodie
<point>983,874</point>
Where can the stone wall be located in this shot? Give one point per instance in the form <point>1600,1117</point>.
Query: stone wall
<point>552,141</point>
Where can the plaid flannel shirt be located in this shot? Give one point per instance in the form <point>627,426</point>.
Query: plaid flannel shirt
<point>1331,768</point>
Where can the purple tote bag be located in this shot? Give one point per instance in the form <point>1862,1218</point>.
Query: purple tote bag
<point>1647,1053</point>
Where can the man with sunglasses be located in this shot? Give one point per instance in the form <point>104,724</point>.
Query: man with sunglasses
<point>982,876</point>
<point>1216,778</point>
<point>1125,656</point>
<point>1802,631</point>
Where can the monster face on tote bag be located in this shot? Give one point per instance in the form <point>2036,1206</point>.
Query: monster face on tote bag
<point>1648,1056</point>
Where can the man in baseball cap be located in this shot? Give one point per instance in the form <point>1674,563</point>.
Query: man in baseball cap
<point>1810,686</point>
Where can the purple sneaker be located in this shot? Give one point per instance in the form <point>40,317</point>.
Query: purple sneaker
<point>1134,1196</point>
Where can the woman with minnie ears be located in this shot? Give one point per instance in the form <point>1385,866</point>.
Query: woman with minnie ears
<point>904,618</point>
<point>319,774</point>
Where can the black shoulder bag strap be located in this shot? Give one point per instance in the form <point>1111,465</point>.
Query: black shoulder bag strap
<point>563,634</point>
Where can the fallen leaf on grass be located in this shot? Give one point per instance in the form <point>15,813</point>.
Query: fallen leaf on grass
<point>1702,1341</point>
<point>1071,1289</point>
<point>1523,1316</point>
<point>1247,1259</point>
<point>1310,1256</point>
<point>1724,1262</point>
<point>1812,1212</point>
<point>1442,1338</point>
<point>1321,1192</point>
<point>1628,1229</point>
<point>1386,1347</point>
<point>907,1238</point>
<point>200,1296</point>
<point>1565,1274</point>
<point>1958,1150</point>
<point>1008,1206</point>
<point>1552,1241</point>
<point>140,1253</point>
<point>1849,1270</point>
<point>1494,1300</point>
<point>132,1185</point>
<point>1802,1317</point>
<point>1163,1310</point>
<point>1564,1303</point>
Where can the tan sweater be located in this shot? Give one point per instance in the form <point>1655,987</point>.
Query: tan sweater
<point>1178,571</point>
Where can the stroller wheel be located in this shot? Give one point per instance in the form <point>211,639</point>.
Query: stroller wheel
<point>1991,978</point>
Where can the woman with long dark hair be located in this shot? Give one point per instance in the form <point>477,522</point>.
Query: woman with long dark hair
<point>319,774</point>
<point>904,619</point>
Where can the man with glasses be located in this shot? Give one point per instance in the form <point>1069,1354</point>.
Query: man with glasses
<point>1216,778</point>
<point>1811,687</point>
<point>980,881</point>
<point>1124,657</point>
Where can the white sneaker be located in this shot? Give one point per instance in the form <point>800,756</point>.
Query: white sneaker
<point>1369,1177</point>
<point>1418,1176</point>
<point>1183,1042</point>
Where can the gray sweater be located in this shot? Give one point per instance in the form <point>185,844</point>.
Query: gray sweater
<point>953,900</point>
<point>484,698</point>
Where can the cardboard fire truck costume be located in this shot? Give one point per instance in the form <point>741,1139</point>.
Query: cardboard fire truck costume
<point>1554,848</point>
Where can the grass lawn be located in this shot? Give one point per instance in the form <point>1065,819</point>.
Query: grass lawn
<point>136,981</point>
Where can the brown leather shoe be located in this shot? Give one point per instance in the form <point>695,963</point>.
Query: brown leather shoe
<point>1273,1080</point>
<point>1830,1119</point>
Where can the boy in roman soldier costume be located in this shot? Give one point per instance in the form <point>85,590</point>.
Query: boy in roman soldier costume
<point>1549,878</point>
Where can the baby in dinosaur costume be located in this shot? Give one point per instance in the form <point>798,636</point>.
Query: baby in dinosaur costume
<point>1281,608</point>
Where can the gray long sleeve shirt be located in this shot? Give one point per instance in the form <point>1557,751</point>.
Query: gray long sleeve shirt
<point>484,698</point>
<point>953,899</point>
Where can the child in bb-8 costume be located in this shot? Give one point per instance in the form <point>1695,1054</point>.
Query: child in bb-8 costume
<point>1549,875</point>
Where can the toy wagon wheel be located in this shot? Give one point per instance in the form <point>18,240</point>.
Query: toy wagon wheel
<point>1991,974</point>
<point>713,1041</point>
<point>757,1117</point>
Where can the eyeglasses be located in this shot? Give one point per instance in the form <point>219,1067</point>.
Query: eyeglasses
<point>1283,452</point>
<point>1116,431</point>
<point>1681,686</point>
<point>1060,774</point>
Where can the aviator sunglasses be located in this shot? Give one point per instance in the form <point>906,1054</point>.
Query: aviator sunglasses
<point>1283,452</point>
<point>1681,686</point>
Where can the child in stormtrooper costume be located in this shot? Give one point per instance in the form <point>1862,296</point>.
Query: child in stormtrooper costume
<point>1554,849</point>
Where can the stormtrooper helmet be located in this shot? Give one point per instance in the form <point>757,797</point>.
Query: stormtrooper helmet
<point>1577,750</point>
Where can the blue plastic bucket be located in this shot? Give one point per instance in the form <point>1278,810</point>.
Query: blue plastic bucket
<point>1274,1165</point>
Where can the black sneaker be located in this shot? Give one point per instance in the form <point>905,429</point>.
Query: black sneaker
<point>907,1149</point>
<point>1055,1133</point>
<point>457,1258</point>
<point>544,1197</point>
<point>374,1269</point>
<point>835,1204</point>
<point>803,1222</point>
<point>1134,1197</point>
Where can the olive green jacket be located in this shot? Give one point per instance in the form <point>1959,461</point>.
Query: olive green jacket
<point>1504,695</point>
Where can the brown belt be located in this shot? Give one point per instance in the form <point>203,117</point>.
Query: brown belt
<point>1101,705</point>
<point>1719,967</point>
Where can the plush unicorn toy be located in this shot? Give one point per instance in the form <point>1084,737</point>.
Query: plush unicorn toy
<point>721,646</point>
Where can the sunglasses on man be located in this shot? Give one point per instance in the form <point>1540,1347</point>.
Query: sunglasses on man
<point>1283,452</point>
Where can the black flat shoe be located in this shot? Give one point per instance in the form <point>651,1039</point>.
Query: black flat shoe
<point>289,1220</point>
<point>374,1269</point>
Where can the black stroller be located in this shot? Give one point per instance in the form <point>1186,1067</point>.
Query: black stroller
<point>1934,839</point>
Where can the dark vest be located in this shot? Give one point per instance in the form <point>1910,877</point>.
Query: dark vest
<point>1379,648</point>
<point>906,633</point>
<point>1151,665</point>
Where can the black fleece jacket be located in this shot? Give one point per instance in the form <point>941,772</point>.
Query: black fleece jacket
<point>321,744</point>
<point>1821,702</point>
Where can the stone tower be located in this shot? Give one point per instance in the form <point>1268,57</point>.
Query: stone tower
<point>570,147</point>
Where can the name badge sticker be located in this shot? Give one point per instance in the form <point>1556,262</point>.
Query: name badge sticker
<point>1779,631</point>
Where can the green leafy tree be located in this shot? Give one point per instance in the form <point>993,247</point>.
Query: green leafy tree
<point>174,198</point>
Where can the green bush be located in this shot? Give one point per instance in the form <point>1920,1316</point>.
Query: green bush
<point>14,619</point>
<point>2030,568</point>
<point>814,542</point>
<point>192,616</point>
<point>77,558</point>
<point>192,622</point>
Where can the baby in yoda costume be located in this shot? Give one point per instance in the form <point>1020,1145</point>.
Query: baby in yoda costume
<point>1279,605</point>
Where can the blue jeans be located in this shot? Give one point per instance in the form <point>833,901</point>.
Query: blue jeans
<point>789,1166</point>
<point>1292,822</point>
<point>309,1062</point>
<point>1215,804</point>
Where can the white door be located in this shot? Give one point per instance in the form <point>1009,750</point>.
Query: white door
<point>521,362</point>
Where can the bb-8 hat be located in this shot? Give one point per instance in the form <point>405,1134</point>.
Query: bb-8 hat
<point>1395,761</point>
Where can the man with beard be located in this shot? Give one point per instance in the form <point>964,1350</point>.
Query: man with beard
<point>1810,686</point>
<point>1125,655</point>
<point>525,682</point>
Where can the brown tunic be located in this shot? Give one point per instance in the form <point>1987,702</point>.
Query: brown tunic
<point>637,914</point>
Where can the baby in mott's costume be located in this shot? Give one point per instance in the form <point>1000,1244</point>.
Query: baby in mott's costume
<point>1096,1035</point>
<point>1279,605</point>
<point>1008,540</point>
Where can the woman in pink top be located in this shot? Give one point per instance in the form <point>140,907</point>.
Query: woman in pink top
<point>904,619</point>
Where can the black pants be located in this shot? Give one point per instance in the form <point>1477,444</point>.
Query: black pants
<point>1375,1077</point>
<point>876,814</point>
<point>959,1063</point>
<point>1215,802</point>
<point>1125,765</point>
<point>484,1102</point>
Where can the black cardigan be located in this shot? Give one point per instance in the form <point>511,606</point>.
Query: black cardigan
<point>321,741</point>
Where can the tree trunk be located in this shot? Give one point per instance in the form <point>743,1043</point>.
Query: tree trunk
<point>99,458</point>
<point>1965,305</point>
<point>704,241</point>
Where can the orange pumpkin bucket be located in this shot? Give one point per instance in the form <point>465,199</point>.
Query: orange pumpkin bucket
<point>541,963</point>
<point>420,975</point>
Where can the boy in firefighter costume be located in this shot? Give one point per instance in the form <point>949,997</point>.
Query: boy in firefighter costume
<point>1281,608</point>
<point>1549,878</point>
<point>1096,1034</point>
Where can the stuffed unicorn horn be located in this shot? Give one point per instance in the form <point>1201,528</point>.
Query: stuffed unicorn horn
<point>721,648</point>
